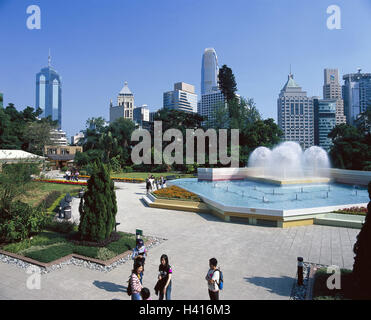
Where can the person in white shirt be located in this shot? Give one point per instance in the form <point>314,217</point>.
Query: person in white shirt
<point>213,278</point>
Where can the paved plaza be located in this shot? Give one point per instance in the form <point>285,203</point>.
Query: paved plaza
<point>257,262</point>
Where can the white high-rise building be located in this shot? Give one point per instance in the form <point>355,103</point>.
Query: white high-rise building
<point>209,72</point>
<point>125,105</point>
<point>182,98</point>
<point>295,114</point>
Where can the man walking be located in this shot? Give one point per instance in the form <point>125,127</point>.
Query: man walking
<point>213,278</point>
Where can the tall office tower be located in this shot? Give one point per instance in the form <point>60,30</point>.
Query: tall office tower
<point>332,90</point>
<point>295,114</point>
<point>125,104</point>
<point>182,98</point>
<point>325,119</point>
<point>1,100</point>
<point>49,93</point>
<point>209,72</point>
<point>356,94</point>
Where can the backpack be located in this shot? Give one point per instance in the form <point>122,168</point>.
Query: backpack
<point>221,280</point>
<point>129,289</point>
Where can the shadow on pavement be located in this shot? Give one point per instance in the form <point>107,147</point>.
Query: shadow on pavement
<point>281,286</point>
<point>109,286</point>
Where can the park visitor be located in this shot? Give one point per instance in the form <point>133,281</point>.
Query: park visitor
<point>213,278</point>
<point>145,294</point>
<point>140,254</point>
<point>135,281</point>
<point>163,286</point>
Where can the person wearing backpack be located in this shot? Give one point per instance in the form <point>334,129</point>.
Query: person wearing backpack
<point>214,279</point>
<point>135,285</point>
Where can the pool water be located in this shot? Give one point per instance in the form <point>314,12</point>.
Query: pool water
<point>252,194</point>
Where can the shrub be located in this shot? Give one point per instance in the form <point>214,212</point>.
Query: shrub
<point>20,221</point>
<point>62,227</point>
<point>98,207</point>
<point>51,198</point>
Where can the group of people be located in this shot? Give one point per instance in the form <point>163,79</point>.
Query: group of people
<point>153,184</point>
<point>164,278</point>
<point>72,175</point>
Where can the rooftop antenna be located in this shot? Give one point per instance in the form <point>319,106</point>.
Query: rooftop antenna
<point>49,59</point>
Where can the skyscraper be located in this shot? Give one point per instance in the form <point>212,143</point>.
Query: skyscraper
<point>49,93</point>
<point>182,98</point>
<point>295,114</point>
<point>211,97</point>
<point>325,113</point>
<point>209,72</point>
<point>332,90</point>
<point>356,94</point>
<point>125,105</point>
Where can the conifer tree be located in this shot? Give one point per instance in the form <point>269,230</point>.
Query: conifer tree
<point>98,207</point>
<point>362,259</point>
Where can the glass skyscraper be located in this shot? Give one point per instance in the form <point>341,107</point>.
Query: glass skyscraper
<point>209,72</point>
<point>324,121</point>
<point>49,93</point>
<point>356,94</point>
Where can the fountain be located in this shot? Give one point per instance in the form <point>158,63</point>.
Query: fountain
<point>288,164</point>
<point>285,186</point>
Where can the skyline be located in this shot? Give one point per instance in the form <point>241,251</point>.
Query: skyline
<point>92,75</point>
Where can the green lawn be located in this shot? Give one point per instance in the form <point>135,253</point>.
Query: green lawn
<point>48,246</point>
<point>39,190</point>
<point>144,175</point>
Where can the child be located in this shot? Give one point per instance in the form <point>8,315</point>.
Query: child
<point>145,294</point>
<point>140,254</point>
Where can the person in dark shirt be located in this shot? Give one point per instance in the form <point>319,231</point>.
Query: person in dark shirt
<point>163,285</point>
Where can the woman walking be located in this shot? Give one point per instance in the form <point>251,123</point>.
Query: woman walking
<point>134,282</point>
<point>164,278</point>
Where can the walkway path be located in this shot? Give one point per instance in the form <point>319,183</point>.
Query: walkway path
<point>257,262</point>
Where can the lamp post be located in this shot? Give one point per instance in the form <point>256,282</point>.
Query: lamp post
<point>300,271</point>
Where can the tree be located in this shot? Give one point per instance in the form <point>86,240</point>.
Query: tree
<point>362,259</point>
<point>227,83</point>
<point>37,135</point>
<point>351,148</point>
<point>98,207</point>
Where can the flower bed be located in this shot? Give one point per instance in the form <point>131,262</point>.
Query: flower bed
<point>79,183</point>
<point>175,192</point>
<point>362,211</point>
<point>131,180</point>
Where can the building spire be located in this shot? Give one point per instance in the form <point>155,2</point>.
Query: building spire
<point>49,59</point>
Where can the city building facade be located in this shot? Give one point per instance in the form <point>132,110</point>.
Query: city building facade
<point>209,71</point>
<point>61,156</point>
<point>332,90</point>
<point>356,94</point>
<point>58,137</point>
<point>76,138</point>
<point>182,98</point>
<point>295,114</point>
<point>49,93</point>
<point>325,119</point>
<point>125,105</point>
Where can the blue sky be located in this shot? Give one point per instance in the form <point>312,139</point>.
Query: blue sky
<point>97,45</point>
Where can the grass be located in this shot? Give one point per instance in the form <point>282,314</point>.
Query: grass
<point>321,292</point>
<point>38,191</point>
<point>48,246</point>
